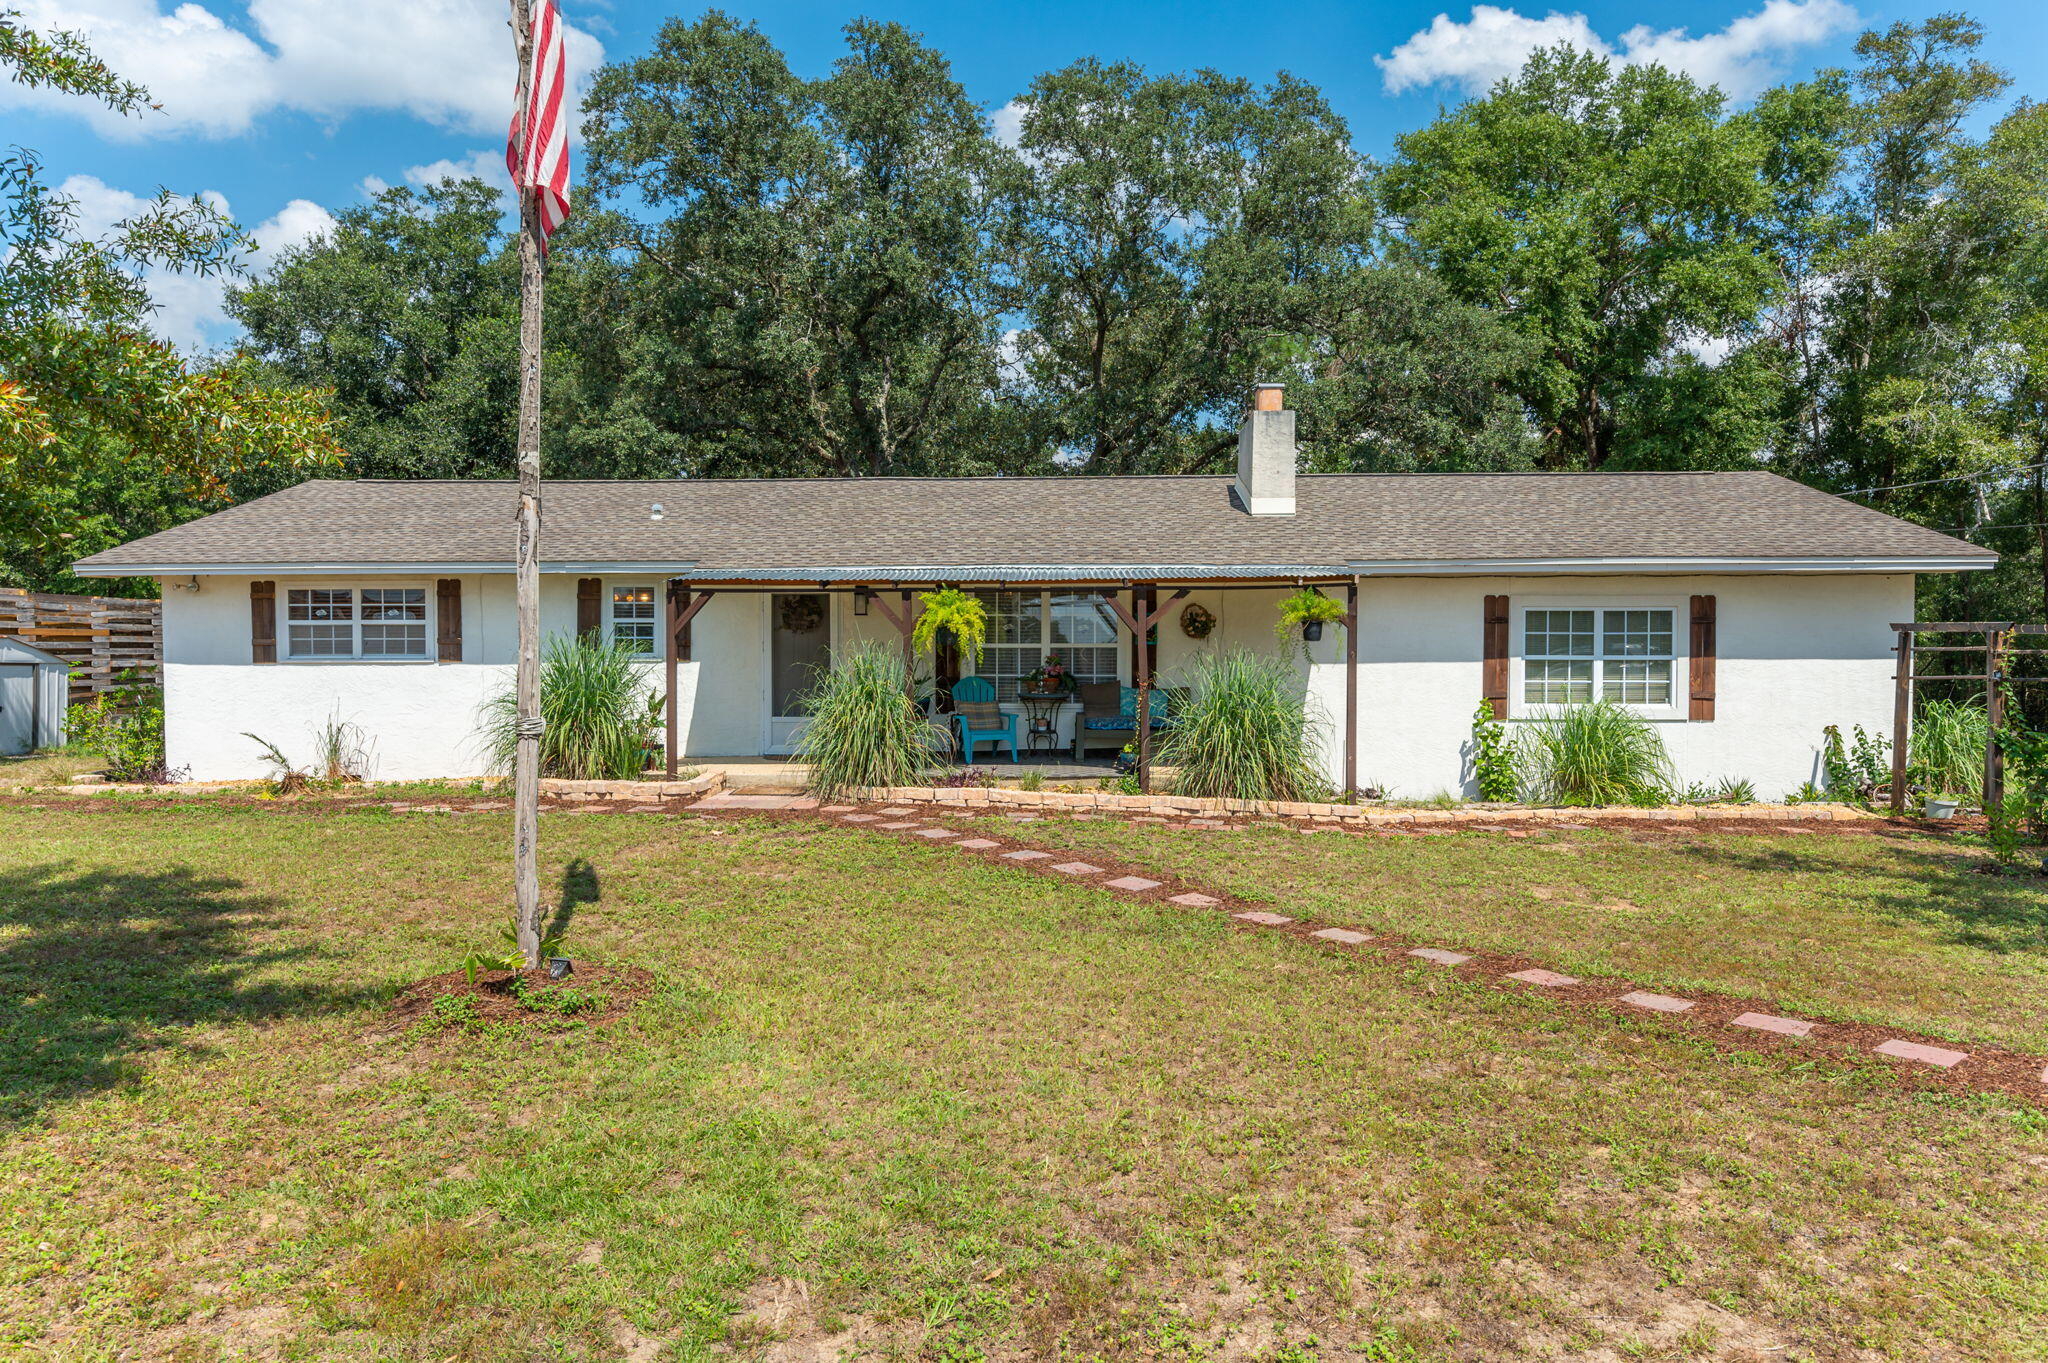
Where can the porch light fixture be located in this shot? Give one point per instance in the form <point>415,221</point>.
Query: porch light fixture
<point>860,600</point>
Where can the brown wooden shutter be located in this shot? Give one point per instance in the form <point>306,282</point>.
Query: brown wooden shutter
<point>448,611</point>
<point>1703,655</point>
<point>589,606</point>
<point>263,622</point>
<point>1493,673</point>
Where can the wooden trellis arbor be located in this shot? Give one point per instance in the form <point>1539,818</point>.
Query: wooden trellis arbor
<point>1994,650</point>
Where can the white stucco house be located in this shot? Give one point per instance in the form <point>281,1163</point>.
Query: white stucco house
<point>1740,611</point>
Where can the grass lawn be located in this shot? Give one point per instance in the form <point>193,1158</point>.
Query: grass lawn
<point>891,1096</point>
<point>1857,927</point>
<point>51,767</point>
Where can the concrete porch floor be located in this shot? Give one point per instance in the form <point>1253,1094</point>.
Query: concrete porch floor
<point>771,774</point>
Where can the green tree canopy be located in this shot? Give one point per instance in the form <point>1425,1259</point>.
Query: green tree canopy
<point>807,268</point>
<point>1607,213</point>
<point>82,380</point>
<point>1175,238</point>
<point>408,310</point>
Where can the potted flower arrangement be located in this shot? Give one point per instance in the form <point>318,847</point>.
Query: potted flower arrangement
<point>1054,678</point>
<point>1304,614</point>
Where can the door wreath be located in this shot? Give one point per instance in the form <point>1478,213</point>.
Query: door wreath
<point>1196,621</point>
<point>802,614</point>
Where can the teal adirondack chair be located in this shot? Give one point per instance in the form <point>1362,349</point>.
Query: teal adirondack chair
<point>974,710</point>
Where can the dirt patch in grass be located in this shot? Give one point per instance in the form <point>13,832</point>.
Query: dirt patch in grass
<point>593,993</point>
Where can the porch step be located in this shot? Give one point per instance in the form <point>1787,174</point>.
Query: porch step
<point>763,782</point>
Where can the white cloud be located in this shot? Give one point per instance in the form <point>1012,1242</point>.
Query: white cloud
<point>1009,123</point>
<point>449,62</point>
<point>191,310</point>
<point>488,166</point>
<point>1492,45</point>
<point>1742,58</point>
<point>1709,350</point>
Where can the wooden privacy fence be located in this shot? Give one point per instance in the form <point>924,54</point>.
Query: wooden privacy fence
<point>100,636</point>
<point>1993,650</point>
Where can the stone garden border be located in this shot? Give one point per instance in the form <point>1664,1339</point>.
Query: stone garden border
<point>1363,815</point>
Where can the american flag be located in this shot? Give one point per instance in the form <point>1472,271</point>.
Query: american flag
<point>540,162</point>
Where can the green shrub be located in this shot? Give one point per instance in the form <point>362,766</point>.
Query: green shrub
<point>1244,732</point>
<point>1493,756</point>
<point>597,711</point>
<point>864,728</point>
<point>1854,771</point>
<point>1598,754</point>
<point>2024,812</point>
<point>125,727</point>
<point>1946,752</point>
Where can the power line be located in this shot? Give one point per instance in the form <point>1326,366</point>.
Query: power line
<point>1930,482</point>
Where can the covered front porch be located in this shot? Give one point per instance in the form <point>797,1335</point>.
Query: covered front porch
<point>729,643</point>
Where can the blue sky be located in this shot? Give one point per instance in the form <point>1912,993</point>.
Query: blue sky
<point>288,109</point>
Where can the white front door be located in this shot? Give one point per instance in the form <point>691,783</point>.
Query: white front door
<point>799,646</point>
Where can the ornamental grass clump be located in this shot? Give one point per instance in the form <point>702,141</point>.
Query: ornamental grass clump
<point>1244,731</point>
<point>1946,751</point>
<point>1598,754</point>
<point>596,710</point>
<point>864,729</point>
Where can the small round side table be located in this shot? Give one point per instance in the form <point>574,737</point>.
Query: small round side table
<point>1041,719</point>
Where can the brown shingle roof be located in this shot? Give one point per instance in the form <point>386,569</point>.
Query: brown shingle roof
<point>800,527</point>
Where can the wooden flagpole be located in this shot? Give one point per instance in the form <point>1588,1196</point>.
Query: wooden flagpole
<point>526,761</point>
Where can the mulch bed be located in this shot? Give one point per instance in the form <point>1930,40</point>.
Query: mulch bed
<point>491,999</point>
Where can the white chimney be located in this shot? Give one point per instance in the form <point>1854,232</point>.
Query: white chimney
<point>1265,455</point>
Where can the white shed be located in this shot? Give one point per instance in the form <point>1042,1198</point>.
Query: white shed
<point>33,689</point>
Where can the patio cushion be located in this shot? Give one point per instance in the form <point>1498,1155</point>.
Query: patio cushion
<point>1099,696</point>
<point>979,714</point>
<point>1118,724</point>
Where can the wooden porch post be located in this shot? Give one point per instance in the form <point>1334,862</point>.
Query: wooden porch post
<point>907,624</point>
<point>671,647</point>
<point>1902,717</point>
<point>1139,620</point>
<point>905,621</point>
<point>1351,690</point>
<point>683,606</point>
<point>1994,711</point>
<point>1141,607</point>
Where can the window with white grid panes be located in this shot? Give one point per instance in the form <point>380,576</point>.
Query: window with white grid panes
<point>1026,628</point>
<point>371,623</point>
<point>632,618</point>
<point>1578,655</point>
